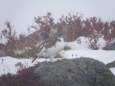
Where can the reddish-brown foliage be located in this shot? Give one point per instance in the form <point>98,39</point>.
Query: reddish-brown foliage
<point>75,26</point>
<point>24,77</point>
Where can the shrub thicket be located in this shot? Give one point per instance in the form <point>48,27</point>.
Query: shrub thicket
<point>69,27</point>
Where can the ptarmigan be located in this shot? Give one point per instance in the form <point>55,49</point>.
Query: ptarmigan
<point>50,52</point>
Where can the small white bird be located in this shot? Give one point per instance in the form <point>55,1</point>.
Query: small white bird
<point>51,52</point>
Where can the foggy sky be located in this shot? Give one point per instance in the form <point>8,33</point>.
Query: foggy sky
<point>21,13</point>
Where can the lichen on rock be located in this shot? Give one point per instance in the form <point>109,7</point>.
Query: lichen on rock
<point>75,72</point>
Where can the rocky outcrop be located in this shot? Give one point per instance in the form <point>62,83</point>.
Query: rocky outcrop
<point>110,65</point>
<point>75,72</point>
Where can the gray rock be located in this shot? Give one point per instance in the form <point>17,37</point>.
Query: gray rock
<point>111,64</point>
<point>110,47</point>
<point>75,72</point>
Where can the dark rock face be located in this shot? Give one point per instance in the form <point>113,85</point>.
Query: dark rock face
<point>110,65</point>
<point>75,72</point>
<point>110,47</point>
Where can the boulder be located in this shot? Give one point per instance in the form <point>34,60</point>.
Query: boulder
<point>75,72</point>
<point>110,47</point>
<point>111,64</point>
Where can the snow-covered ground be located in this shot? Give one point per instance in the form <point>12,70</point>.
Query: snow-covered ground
<point>101,55</point>
<point>7,64</point>
<point>78,50</point>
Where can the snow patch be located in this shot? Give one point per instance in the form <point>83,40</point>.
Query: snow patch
<point>81,43</point>
<point>101,43</point>
<point>113,70</point>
